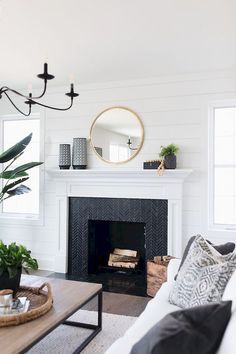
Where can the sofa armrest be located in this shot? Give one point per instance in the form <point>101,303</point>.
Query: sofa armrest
<point>172,268</point>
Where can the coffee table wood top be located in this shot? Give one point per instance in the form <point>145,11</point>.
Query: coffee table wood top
<point>68,296</point>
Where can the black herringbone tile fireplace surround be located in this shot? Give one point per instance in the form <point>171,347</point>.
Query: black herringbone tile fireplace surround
<point>82,210</point>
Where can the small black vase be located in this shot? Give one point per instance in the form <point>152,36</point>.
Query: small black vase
<point>170,162</point>
<point>10,283</point>
<point>64,156</point>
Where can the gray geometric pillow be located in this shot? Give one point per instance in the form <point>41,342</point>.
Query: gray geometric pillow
<point>203,275</point>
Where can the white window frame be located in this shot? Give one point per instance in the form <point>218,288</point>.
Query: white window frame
<point>120,146</point>
<point>211,183</point>
<point>25,218</point>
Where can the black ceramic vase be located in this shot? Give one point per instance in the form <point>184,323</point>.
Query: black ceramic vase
<point>10,283</point>
<point>170,162</point>
<point>79,153</point>
<point>64,156</point>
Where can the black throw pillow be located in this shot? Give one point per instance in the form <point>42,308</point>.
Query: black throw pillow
<point>225,248</point>
<point>197,330</point>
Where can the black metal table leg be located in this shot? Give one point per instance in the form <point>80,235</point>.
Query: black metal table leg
<point>96,328</point>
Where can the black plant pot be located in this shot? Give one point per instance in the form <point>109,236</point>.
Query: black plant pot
<point>10,283</point>
<point>170,162</point>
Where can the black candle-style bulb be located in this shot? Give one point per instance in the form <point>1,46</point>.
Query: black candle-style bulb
<point>46,76</point>
<point>72,94</point>
<point>45,68</point>
<point>29,101</point>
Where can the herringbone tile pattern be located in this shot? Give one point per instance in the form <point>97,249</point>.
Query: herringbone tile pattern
<point>152,212</point>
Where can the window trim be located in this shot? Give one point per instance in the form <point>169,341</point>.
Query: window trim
<point>211,183</point>
<point>25,218</point>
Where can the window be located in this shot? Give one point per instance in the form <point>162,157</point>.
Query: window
<point>13,130</point>
<point>222,181</point>
<point>119,153</point>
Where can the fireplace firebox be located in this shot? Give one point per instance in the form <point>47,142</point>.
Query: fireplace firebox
<point>98,226</point>
<point>105,239</point>
<point>106,236</point>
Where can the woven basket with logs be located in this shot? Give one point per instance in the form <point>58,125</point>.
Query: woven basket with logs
<point>156,273</point>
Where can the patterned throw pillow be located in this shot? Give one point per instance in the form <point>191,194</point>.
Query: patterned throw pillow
<point>203,275</point>
<point>222,249</point>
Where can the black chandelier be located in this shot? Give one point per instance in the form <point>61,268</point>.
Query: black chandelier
<point>31,100</point>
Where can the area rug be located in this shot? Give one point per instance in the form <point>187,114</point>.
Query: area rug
<point>65,339</point>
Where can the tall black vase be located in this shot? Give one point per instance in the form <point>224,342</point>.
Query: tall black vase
<point>170,162</point>
<point>79,153</point>
<point>10,283</point>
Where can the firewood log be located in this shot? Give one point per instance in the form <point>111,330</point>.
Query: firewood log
<point>123,252</point>
<point>122,264</point>
<point>118,258</point>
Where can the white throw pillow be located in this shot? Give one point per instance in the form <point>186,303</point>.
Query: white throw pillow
<point>203,275</point>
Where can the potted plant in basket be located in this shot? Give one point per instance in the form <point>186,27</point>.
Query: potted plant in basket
<point>168,153</point>
<point>13,257</point>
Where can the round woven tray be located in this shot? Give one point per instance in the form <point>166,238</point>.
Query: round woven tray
<point>40,303</point>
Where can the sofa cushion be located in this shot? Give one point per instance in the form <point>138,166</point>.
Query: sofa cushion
<point>155,310</point>
<point>230,291</point>
<point>196,330</point>
<point>203,276</point>
<point>227,345</point>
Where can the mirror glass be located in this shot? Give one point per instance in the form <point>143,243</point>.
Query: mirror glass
<point>117,135</point>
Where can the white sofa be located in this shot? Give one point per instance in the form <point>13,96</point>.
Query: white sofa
<point>159,306</point>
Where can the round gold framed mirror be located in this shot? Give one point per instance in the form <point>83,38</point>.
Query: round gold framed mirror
<point>117,134</point>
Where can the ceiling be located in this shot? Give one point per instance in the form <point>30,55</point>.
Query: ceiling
<point>105,40</point>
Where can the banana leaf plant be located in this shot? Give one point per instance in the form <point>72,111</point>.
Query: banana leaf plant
<point>15,177</point>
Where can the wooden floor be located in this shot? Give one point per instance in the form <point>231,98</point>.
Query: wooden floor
<point>120,304</point>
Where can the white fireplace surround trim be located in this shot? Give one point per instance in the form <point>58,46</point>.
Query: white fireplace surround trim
<point>144,184</point>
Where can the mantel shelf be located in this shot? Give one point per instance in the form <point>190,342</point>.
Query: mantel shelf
<point>177,174</point>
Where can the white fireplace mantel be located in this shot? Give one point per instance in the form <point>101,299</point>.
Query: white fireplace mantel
<point>168,175</point>
<point>144,184</point>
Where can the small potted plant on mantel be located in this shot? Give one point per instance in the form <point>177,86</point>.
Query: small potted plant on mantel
<point>168,153</point>
<point>14,257</point>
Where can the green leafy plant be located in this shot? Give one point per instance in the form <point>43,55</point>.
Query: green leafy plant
<point>15,177</point>
<point>171,149</point>
<point>13,257</point>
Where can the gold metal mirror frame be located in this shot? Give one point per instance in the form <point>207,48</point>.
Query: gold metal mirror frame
<point>142,134</point>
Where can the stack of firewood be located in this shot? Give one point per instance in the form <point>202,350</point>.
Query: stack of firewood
<point>122,258</point>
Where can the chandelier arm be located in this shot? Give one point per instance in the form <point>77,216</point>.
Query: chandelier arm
<point>4,89</point>
<point>51,107</point>
<point>20,111</point>
<point>43,93</point>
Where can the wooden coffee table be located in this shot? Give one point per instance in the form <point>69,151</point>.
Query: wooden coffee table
<point>68,297</point>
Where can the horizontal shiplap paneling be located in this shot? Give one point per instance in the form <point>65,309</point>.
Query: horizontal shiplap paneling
<point>173,110</point>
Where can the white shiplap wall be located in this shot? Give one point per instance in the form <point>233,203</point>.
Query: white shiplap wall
<point>173,109</point>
